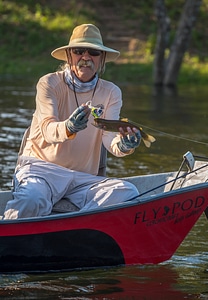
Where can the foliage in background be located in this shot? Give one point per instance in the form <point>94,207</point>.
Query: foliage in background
<point>30,30</point>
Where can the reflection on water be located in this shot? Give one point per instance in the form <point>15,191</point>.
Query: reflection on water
<point>119,283</point>
<point>179,124</point>
<point>135,282</point>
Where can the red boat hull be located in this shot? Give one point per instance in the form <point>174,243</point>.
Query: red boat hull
<point>146,232</point>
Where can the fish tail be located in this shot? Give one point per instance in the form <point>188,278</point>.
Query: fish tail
<point>147,143</point>
<point>147,138</point>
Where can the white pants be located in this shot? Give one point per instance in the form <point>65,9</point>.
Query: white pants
<point>38,185</point>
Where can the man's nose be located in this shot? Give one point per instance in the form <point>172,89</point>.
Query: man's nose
<point>86,54</point>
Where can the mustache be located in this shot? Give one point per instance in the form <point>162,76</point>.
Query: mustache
<point>85,63</point>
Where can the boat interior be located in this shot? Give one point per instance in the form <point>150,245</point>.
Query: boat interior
<point>191,172</point>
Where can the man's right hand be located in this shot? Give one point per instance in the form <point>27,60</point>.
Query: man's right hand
<point>78,119</point>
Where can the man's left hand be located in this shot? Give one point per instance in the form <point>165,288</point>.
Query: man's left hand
<point>130,140</point>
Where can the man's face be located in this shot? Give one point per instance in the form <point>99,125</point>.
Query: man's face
<point>85,62</point>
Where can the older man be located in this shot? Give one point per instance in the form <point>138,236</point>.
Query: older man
<point>61,153</point>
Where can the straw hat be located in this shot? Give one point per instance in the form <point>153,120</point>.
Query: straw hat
<point>86,36</point>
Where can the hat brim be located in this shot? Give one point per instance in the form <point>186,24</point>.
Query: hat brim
<point>60,52</point>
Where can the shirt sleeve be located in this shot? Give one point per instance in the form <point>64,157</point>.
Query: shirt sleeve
<point>51,124</point>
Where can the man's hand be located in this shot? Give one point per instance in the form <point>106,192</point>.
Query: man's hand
<point>78,119</point>
<point>130,140</point>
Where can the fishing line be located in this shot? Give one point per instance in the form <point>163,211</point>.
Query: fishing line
<point>176,136</point>
<point>171,135</point>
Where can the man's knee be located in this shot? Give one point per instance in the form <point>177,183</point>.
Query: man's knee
<point>109,192</point>
<point>31,198</point>
<point>130,189</point>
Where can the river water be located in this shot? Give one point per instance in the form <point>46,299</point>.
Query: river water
<point>179,123</point>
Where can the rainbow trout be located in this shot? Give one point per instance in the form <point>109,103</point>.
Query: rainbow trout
<point>114,125</point>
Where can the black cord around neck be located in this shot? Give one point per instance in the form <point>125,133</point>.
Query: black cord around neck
<point>75,94</point>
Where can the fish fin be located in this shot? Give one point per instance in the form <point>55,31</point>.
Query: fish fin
<point>148,140</point>
<point>151,138</point>
<point>124,119</point>
<point>147,143</point>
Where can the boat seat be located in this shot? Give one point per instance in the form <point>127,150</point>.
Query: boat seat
<point>103,162</point>
<point>64,206</point>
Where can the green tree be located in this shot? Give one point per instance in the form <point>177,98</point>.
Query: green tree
<point>166,69</point>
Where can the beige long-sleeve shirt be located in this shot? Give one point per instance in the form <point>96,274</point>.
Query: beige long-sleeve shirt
<point>48,139</point>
